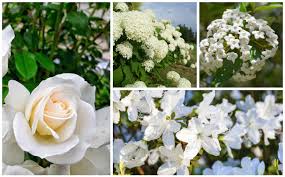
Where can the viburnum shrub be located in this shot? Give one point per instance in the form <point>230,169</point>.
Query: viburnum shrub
<point>142,44</point>
<point>237,46</point>
<point>189,132</point>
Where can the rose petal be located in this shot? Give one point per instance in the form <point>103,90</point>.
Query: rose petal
<point>102,127</point>
<point>95,162</point>
<point>85,121</point>
<point>87,91</point>
<point>17,96</point>
<point>12,154</point>
<point>15,170</point>
<point>35,145</point>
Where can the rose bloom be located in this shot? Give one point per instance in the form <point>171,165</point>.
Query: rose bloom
<point>57,120</point>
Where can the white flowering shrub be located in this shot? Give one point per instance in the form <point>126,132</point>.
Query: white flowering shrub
<point>144,46</point>
<point>237,46</point>
<point>190,132</point>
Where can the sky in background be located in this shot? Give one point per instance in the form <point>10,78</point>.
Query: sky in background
<point>178,13</point>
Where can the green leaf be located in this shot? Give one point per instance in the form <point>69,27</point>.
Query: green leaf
<point>118,76</point>
<point>226,71</point>
<point>243,6</point>
<point>45,62</point>
<point>254,53</point>
<point>26,64</point>
<point>135,67</point>
<point>79,22</point>
<point>129,77</point>
<point>268,7</point>
<point>31,39</point>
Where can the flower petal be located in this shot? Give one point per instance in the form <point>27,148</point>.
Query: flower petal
<point>15,170</point>
<point>192,149</point>
<point>17,96</point>
<point>36,146</point>
<point>167,168</point>
<point>95,162</point>
<point>102,127</point>
<point>211,145</point>
<point>186,135</point>
<point>168,139</point>
<point>12,154</point>
<point>85,121</point>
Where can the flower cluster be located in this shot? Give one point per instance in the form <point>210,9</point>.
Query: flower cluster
<point>140,33</point>
<point>178,135</point>
<point>238,37</point>
<point>180,82</point>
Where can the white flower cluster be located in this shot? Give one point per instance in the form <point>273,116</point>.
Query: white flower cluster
<point>125,49</point>
<point>238,35</point>
<point>137,84</point>
<point>123,7</point>
<point>156,39</point>
<point>180,82</point>
<point>208,126</point>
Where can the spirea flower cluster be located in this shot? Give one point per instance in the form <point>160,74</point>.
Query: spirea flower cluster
<point>239,38</point>
<point>179,81</point>
<point>140,35</point>
<point>178,136</point>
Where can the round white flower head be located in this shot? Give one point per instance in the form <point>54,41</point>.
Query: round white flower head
<point>184,83</point>
<point>117,26</point>
<point>238,36</point>
<point>137,84</point>
<point>125,49</point>
<point>148,65</point>
<point>173,76</point>
<point>121,6</point>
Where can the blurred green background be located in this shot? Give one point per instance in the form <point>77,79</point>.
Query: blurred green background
<point>271,74</point>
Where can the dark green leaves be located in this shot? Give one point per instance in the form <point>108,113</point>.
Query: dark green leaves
<point>226,71</point>
<point>26,64</point>
<point>118,76</point>
<point>79,22</point>
<point>31,39</point>
<point>45,62</point>
<point>254,53</point>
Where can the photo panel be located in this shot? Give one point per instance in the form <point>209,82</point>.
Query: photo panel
<point>154,44</point>
<point>192,132</point>
<point>55,88</point>
<point>241,44</point>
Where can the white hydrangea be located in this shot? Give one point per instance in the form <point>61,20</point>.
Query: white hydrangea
<point>137,84</point>
<point>117,28</point>
<point>138,26</point>
<point>184,83</point>
<point>121,6</point>
<point>125,49</point>
<point>173,76</point>
<point>235,37</point>
<point>148,65</point>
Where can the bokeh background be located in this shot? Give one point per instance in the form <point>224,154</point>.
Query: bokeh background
<point>271,74</point>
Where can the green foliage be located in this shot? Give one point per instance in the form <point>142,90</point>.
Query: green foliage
<point>56,38</point>
<point>26,64</point>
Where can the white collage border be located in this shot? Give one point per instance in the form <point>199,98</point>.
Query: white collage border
<point>197,65</point>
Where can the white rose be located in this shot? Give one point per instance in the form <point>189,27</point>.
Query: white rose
<point>57,120</point>
<point>7,37</point>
